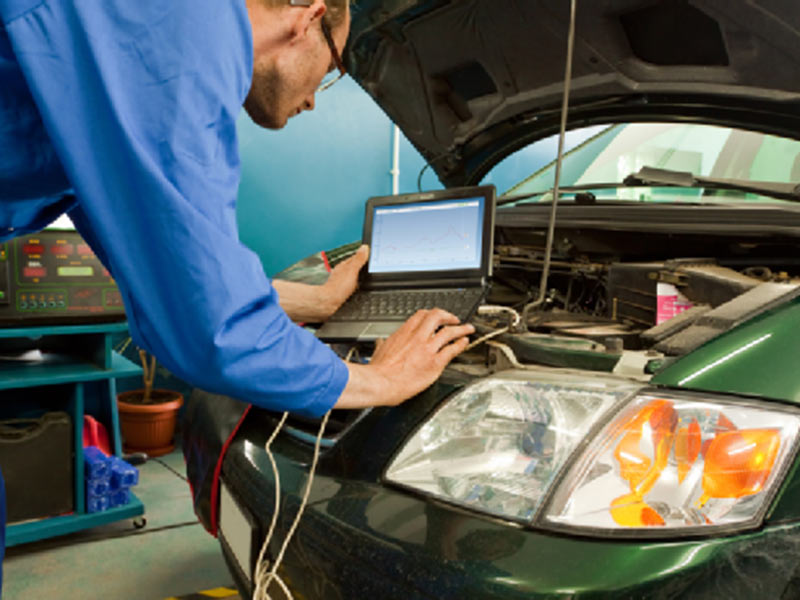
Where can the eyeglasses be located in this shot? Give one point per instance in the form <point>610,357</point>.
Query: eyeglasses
<point>333,75</point>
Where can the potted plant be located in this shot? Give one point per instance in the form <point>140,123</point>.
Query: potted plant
<point>148,416</point>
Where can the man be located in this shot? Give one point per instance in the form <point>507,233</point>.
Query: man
<point>123,114</point>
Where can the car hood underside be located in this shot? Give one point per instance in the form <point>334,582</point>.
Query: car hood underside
<point>469,83</point>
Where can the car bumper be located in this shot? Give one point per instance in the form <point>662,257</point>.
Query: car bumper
<point>361,539</point>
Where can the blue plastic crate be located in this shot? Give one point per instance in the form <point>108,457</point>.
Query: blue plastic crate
<point>96,464</point>
<point>95,504</point>
<point>123,475</point>
<point>120,497</point>
<point>98,487</point>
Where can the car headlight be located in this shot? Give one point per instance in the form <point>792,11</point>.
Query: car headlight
<point>683,462</point>
<point>498,444</point>
<point>601,455</point>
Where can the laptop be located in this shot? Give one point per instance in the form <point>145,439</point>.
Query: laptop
<point>429,249</point>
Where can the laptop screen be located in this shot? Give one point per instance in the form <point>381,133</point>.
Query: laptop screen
<point>429,236</point>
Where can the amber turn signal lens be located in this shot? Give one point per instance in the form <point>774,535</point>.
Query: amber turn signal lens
<point>738,463</point>
<point>630,511</point>
<point>636,467</point>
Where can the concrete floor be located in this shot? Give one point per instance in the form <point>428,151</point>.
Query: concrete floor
<point>172,556</point>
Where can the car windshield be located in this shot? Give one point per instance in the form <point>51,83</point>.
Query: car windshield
<point>704,150</point>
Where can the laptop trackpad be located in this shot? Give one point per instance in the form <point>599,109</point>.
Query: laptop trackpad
<point>382,329</point>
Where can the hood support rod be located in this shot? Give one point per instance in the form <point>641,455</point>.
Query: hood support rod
<point>551,228</point>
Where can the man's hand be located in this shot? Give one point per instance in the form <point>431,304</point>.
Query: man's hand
<point>407,362</point>
<point>316,303</point>
<point>343,280</point>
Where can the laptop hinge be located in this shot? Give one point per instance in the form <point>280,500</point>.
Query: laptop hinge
<point>427,283</point>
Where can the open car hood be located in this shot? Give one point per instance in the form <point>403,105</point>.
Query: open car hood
<point>470,81</point>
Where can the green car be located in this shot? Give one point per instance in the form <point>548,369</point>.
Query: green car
<point>634,433</point>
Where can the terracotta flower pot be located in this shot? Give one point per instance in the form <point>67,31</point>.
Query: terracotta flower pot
<point>149,427</point>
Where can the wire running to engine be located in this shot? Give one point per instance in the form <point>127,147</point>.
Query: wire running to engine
<point>510,356</point>
<point>264,575</point>
<point>488,309</point>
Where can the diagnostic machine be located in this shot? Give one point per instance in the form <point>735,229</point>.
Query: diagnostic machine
<point>53,278</point>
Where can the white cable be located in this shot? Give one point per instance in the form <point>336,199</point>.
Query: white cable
<point>491,309</point>
<point>509,354</point>
<point>260,591</point>
<point>284,588</point>
<point>486,337</point>
<point>306,493</point>
<point>263,577</point>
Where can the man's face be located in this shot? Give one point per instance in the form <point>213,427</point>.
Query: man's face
<point>284,86</point>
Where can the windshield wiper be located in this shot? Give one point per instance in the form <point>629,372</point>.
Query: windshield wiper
<point>652,177</point>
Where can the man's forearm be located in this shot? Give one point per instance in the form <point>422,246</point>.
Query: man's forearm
<point>315,303</point>
<point>303,302</point>
<point>365,387</point>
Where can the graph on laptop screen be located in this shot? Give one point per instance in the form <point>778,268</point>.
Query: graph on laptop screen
<point>432,236</point>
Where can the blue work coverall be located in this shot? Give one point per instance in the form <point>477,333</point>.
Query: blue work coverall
<point>123,114</point>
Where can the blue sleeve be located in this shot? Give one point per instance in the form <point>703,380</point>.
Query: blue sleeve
<point>140,100</point>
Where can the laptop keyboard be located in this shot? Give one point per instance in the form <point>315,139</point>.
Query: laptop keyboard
<point>399,305</point>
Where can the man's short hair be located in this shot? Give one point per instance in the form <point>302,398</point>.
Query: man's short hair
<point>337,9</point>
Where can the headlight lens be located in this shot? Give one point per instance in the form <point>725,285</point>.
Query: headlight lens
<point>497,445</point>
<point>607,456</point>
<point>667,462</point>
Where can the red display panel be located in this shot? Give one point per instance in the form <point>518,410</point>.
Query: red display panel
<point>34,272</point>
<point>62,249</point>
<point>33,248</point>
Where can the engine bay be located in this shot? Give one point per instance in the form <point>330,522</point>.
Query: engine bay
<point>661,290</point>
<point>605,300</point>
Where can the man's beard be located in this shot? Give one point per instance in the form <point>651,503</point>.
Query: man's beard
<point>262,100</point>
